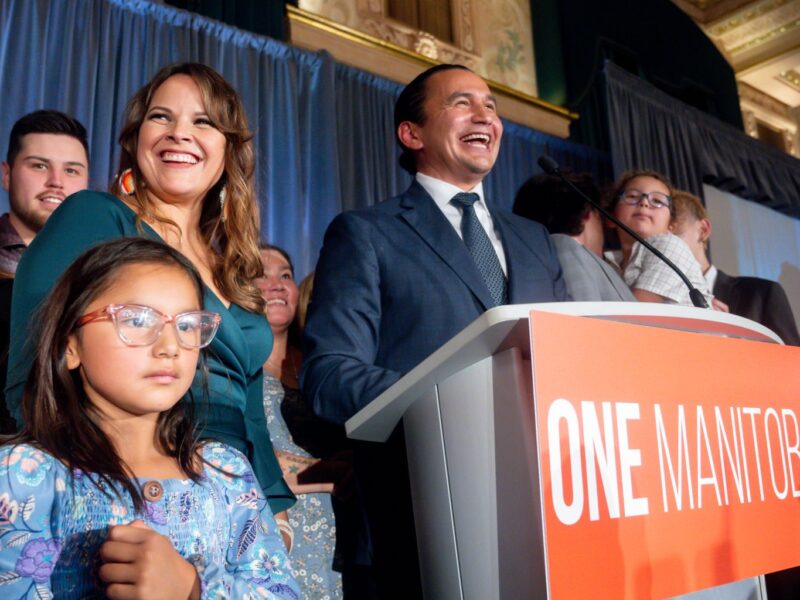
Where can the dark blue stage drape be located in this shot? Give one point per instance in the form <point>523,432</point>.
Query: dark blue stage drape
<point>323,131</point>
<point>649,129</point>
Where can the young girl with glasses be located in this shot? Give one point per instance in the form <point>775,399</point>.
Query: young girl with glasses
<point>642,200</point>
<point>106,491</point>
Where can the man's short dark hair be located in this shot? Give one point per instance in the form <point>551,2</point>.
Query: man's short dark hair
<point>551,202</point>
<point>45,121</point>
<point>409,107</point>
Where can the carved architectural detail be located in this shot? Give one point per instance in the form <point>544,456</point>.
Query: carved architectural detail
<point>748,93</point>
<point>375,21</point>
<point>464,23</point>
<point>790,78</point>
<point>750,123</point>
<point>426,45</point>
<point>493,37</point>
<point>760,107</point>
<point>759,40</point>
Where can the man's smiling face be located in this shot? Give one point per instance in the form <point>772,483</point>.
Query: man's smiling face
<point>459,140</point>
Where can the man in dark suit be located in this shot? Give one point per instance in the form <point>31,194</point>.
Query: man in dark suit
<point>760,300</point>
<point>397,280</point>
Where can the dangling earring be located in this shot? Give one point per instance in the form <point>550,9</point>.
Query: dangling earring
<point>126,182</point>
<point>222,195</point>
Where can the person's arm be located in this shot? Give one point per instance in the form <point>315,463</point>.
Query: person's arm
<point>647,296</point>
<point>257,564</point>
<point>28,551</point>
<point>339,375</point>
<point>293,465</point>
<point>651,280</point>
<point>83,220</point>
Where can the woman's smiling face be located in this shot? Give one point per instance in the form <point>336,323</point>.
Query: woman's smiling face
<point>180,153</point>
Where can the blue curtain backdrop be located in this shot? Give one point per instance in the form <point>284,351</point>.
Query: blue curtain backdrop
<point>323,131</point>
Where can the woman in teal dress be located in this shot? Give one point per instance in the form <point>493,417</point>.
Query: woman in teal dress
<point>186,179</point>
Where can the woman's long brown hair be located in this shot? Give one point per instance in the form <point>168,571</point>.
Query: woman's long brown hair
<point>58,416</point>
<point>232,244</point>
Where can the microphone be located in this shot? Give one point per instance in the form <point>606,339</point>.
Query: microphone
<point>550,167</point>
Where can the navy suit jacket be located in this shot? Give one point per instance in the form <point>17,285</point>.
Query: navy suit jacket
<point>394,282</point>
<point>760,300</point>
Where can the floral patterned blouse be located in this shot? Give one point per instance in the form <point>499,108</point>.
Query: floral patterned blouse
<point>52,524</point>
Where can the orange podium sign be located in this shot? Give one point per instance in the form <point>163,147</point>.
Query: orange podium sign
<point>669,461</point>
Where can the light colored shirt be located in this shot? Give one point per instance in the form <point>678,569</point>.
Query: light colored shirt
<point>645,271</point>
<point>442,192</point>
<point>711,277</point>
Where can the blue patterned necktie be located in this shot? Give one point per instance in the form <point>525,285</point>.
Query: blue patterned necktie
<point>480,246</point>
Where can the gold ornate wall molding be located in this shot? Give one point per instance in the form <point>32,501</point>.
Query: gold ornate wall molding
<point>399,63</point>
<point>375,21</point>
<point>761,41</point>
<point>492,37</point>
<point>760,107</point>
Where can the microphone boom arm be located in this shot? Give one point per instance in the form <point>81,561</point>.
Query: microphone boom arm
<point>550,167</point>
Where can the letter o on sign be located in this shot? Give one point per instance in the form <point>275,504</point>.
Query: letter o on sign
<point>562,410</point>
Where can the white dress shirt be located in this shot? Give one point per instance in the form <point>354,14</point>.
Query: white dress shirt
<point>442,192</point>
<point>711,277</point>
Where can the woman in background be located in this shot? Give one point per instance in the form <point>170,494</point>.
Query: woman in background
<point>312,518</point>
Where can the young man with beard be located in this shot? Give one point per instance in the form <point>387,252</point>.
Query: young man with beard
<point>47,160</point>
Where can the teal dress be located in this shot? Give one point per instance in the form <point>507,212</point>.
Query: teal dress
<point>234,413</point>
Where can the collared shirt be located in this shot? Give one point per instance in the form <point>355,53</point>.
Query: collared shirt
<point>11,246</point>
<point>711,277</point>
<point>645,271</point>
<point>442,192</point>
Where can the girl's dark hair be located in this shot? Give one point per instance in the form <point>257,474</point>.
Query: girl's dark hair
<point>58,416</point>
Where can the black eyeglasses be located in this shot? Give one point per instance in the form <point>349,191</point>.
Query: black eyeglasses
<point>138,325</point>
<point>654,199</point>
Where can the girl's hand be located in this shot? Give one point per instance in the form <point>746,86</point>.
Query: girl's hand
<point>140,563</point>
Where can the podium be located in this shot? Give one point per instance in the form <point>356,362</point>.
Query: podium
<point>470,426</point>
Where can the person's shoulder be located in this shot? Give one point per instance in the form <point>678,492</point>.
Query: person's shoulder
<point>30,465</point>
<point>87,208</point>
<point>565,243</point>
<point>95,200</point>
<point>669,244</point>
<point>752,281</point>
<point>365,222</point>
<point>224,462</point>
<point>757,286</point>
<point>519,222</point>
<point>665,239</point>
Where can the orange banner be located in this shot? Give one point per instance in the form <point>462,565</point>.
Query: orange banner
<point>669,461</point>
